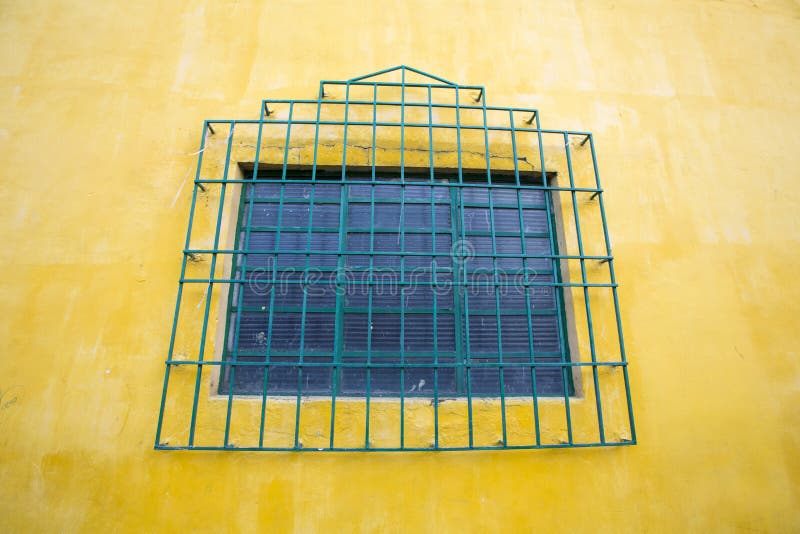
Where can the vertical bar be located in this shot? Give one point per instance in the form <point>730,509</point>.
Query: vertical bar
<point>403,127</point>
<point>180,287</point>
<point>210,287</point>
<point>274,258</point>
<point>623,357</point>
<point>458,305</point>
<point>501,370</point>
<point>402,260</point>
<point>592,347</point>
<point>370,283</point>
<point>303,315</point>
<point>305,279</point>
<point>555,263</point>
<point>526,288</point>
<point>338,343</point>
<point>243,270</point>
<point>273,289</point>
<point>286,145</point>
<point>434,278</point>
<point>371,262</point>
<point>460,203</point>
<point>430,137</point>
<point>316,139</point>
<point>374,127</point>
<point>243,220</point>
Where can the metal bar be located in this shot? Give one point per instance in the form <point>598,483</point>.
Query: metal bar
<point>338,343</point>
<point>360,282</point>
<point>556,276</point>
<point>243,267</point>
<point>459,203</point>
<point>263,310</point>
<point>586,300</point>
<point>394,311</point>
<point>286,146</point>
<point>377,73</point>
<point>274,259</point>
<point>407,125</point>
<point>387,103</point>
<point>369,311</point>
<point>237,309</point>
<point>493,233</point>
<point>374,132</point>
<point>386,230</point>
<point>447,85</point>
<point>390,365</point>
<point>409,449</point>
<point>466,185</point>
<point>383,354</point>
<point>402,261</point>
<point>297,444</point>
<point>210,289</point>
<point>477,254</point>
<point>386,271</point>
<point>470,204</point>
<point>371,264</point>
<point>316,124</point>
<point>528,311</point>
<point>268,348</point>
<point>614,294</point>
<point>435,316</point>
<point>173,332</point>
<point>497,187</point>
<point>428,75</point>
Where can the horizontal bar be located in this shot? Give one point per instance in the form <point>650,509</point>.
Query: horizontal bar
<point>393,201</point>
<point>398,104</point>
<point>396,449</point>
<point>393,231</point>
<point>376,253</point>
<point>372,253</point>
<point>365,353</point>
<point>378,271</point>
<point>386,311</point>
<point>359,282</point>
<point>397,365</point>
<point>397,124</point>
<point>356,230</point>
<point>402,84</point>
<point>392,353</point>
<point>441,268</point>
<point>399,183</point>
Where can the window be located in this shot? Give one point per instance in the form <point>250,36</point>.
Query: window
<point>380,287</point>
<point>395,265</point>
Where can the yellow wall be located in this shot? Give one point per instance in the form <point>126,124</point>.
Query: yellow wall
<point>694,106</point>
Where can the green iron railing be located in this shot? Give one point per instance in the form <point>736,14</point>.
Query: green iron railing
<point>465,363</point>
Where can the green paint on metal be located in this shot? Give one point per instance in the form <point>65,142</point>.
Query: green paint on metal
<point>448,268</point>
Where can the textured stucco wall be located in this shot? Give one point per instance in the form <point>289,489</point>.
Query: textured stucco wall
<point>694,107</point>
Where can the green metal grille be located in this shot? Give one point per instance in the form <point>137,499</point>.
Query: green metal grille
<point>309,254</point>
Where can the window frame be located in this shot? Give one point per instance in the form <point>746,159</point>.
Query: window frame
<point>331,175</point>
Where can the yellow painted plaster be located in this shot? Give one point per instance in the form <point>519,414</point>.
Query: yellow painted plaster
<point>694,106</point>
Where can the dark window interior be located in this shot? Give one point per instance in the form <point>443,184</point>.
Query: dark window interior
<point>360,273</point>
